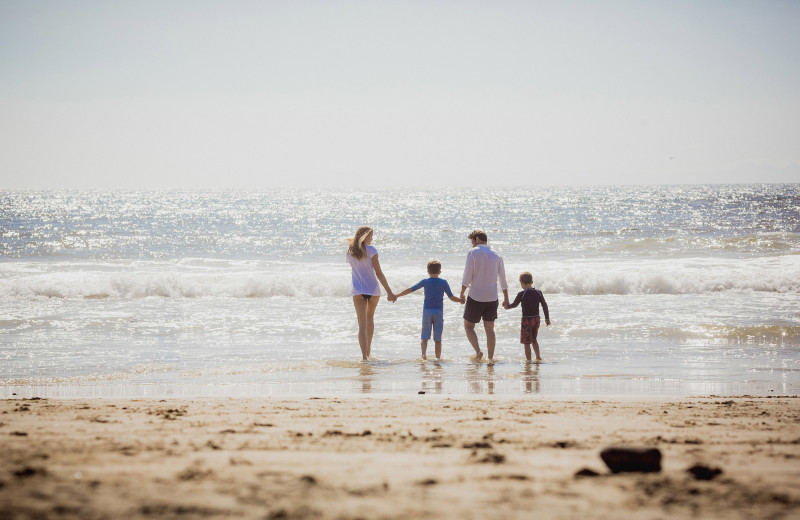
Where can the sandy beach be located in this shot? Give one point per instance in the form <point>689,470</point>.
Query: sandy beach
<point>420,456</point>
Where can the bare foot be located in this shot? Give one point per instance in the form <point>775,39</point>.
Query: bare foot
<point>424,357</point>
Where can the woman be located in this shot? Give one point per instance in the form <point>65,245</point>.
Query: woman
<point>363,260</point>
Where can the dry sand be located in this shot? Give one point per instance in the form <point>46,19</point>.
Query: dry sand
<point>424,456</point>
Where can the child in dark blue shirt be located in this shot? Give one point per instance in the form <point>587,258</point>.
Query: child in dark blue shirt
<point>432,309</point>
<point>530,298</point>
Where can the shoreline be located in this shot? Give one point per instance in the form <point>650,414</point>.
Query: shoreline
<point>518,387</point>
<point>355,396</point>
<point>396,456</point>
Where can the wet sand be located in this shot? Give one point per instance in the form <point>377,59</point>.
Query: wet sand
<point>422,456</point>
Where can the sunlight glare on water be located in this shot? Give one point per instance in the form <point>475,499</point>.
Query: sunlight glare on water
<point>663,289</point>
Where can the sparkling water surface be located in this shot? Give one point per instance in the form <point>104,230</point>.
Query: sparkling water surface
<point>675,290</point>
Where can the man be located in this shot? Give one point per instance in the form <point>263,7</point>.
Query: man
<point>484,267</point>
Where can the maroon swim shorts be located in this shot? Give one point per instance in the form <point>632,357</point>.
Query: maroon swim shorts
<point>529,329</point>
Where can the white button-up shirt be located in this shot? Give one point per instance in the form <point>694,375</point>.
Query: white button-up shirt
<point>484,267</point>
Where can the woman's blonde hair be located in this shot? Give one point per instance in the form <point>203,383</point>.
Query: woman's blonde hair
<point>357,249</point>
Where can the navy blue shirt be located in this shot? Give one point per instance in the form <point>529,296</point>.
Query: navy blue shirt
<point>530,299</point>
<point>435,288</point>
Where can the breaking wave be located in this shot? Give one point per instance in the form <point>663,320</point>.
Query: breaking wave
<point>688,276</point>
<point>681,282</point>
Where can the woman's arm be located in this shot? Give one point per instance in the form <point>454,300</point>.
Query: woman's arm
<point>376,265</point>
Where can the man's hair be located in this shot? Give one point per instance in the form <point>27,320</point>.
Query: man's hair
<point>526,278</point>
<point>434,267</point>
<point>480,235</point>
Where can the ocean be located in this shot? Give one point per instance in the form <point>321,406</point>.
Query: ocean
<point>655,290</point>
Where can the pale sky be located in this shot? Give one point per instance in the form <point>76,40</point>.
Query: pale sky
<point>238,94</point>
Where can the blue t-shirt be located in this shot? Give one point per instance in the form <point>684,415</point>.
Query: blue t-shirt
<point>435,288</point>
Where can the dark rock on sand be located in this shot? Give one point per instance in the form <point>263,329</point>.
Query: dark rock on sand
<point>489,458</point>
<point>29,471</point>
<point>586,472</point>
<point>476,445</point>
<point>633,459</point>
<point>702,472</point>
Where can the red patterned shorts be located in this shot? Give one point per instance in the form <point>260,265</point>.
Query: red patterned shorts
<point>529,329</point>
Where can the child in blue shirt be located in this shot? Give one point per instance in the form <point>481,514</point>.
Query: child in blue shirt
<point>432,309</point>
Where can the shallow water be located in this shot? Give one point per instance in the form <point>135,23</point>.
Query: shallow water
<point>652,290</point>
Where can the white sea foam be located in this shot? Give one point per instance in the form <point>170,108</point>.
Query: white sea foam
<point>187,280</point>
<point>167,285</point>
<point>687,276</point>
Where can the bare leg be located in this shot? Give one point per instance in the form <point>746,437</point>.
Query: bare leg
<point>472,337</point>
<point>423,344</point>
<point>438,345</point>
<point>488,326</point>
<point>535,350</point>
<point>528,351</point>
<point>360,305</point>
<point>372,305</point>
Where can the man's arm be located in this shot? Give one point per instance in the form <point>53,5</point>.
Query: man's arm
<point>466,280</point>
<point>501,273</point>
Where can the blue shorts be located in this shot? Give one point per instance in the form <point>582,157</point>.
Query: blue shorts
<point>432,319</point>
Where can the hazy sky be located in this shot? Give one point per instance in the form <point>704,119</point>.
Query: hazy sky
<point>213,94</point>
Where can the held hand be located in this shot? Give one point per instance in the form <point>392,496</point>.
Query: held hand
<point>463,300</point>
<point>505,305</point>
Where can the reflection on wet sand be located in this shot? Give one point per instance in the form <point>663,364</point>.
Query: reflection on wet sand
<point>432,372</point>
<point>530,375</point>
<point>366,373</point>
<point>475,377</point>
<point>434,376</point>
